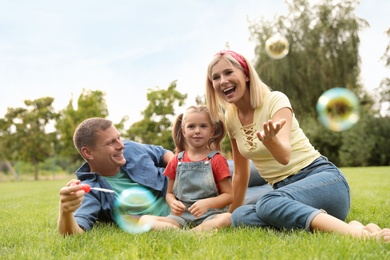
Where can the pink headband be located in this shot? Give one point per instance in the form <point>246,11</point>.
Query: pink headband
<point>240,59</point>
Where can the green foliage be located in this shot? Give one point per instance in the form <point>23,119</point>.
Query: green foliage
<point>29,213</point>
<point>90,103</point>
<point>227,147</point>
<point>325,141</point>
<point>364,144</point>
<point>384,88</point>
<point>367,143</point>
<point>52,167</point>
<point>156,126</point>
<point>23,132</point>
<point>323,52</point>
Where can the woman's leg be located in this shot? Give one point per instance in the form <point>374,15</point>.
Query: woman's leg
<point>246,216</point>
<point>317,188</point>
<point>302,202</point>
<point>299,198</point>
<point>371,227</point>
<point>328,223</point>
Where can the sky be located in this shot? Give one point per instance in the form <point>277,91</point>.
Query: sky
<point>125,47</point>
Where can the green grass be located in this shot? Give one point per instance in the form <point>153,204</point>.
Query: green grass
<point>29,210</point>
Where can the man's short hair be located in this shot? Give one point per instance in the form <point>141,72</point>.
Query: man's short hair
<point>85,134</point>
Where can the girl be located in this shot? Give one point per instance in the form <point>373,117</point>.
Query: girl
<point>309,191</point>
<point>199,187</point>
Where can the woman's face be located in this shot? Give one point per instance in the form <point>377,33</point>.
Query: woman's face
<point>228,81</point>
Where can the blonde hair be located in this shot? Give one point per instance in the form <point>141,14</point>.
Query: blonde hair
<point>178,137</point>
<point>216,104</point>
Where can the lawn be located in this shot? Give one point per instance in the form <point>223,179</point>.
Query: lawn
<point>29,210</point>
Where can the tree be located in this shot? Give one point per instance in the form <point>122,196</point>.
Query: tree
<point>155,127</point>
<point>384,88</point>
<point>90,103</point>
<point>368,144</point>
<point>323,51</point>
<point>24,132</point>
<point>323,54</point>
<point>5,153</point>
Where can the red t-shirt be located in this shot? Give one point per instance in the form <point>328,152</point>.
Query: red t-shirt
<point>219,166</point>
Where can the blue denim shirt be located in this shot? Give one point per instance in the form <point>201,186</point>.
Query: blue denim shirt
<point>144,165</point>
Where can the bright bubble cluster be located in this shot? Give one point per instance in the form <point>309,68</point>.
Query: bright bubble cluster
<point>130,205</point>
<point>277,46</point>
<point>338,109</point>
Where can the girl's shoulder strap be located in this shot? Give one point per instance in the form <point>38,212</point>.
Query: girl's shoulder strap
<point>212,154</point>
<point>209,156</point>
<point>180,156</point>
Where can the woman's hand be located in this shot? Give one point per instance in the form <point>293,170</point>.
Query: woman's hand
<point>270,130</point>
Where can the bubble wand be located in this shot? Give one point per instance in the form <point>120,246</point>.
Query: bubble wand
<point>87,188</point>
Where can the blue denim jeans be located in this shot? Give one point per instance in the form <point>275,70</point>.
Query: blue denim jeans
<point>296,200</point>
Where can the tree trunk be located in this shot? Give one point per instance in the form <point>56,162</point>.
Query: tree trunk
<point>12,169</point>
<point>36,169</point>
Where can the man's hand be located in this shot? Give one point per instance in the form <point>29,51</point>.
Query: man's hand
<point>71,197</point>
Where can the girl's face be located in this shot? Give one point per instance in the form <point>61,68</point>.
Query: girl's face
<point>228,81</point>
<point>197,129</point>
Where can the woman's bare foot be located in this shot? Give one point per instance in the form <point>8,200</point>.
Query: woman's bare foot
<point>382,235</point>
<point>372,230</point>
<point>356,223</point>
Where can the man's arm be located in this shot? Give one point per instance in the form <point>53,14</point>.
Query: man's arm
<point>167,157</point>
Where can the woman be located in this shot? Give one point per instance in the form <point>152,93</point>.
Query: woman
<point>309,191</point>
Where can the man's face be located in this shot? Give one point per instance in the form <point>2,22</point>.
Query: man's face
<point>107,155</point>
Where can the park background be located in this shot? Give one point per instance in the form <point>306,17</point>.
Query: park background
<point>141,63</point>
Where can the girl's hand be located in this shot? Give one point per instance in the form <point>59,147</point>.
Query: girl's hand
<point>177,208</point>
<point>199,208</point>
<point>270,130</point>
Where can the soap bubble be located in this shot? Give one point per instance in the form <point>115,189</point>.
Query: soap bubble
<point>130,205</point>
<point>338,109</point>
<point>277,47</point>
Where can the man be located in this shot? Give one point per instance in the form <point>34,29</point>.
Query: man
<point>110,164</point>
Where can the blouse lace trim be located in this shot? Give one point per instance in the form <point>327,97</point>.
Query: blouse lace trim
<point>249,134</point>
